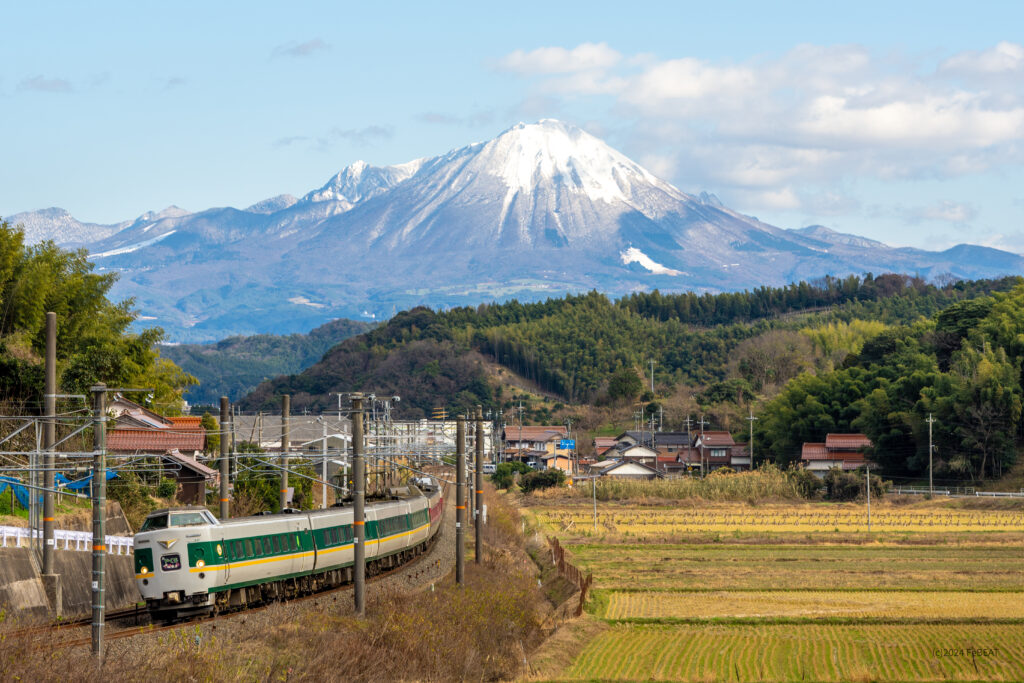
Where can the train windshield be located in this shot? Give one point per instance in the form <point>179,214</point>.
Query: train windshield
<point>154,522</point>
<point>189,519</point>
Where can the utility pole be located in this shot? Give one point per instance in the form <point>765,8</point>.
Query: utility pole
<point>323,464</point>
<point>99,514</point>
<point>652,376</point>
<point>703,450</point>
<point>358,507</point>
<point>689,439</point>
<point>751,443</point>
<point>867,469</point>
<point>286,405</point>
<point>225,471</point>
<point>51,581</point>
<point>931,449</point>
<point>478,520</point>
<point>460,499</point>
<point>520,430</point>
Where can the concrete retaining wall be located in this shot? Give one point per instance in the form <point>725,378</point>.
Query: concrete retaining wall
<point>21,586</point>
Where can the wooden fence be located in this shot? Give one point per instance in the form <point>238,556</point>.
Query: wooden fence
<point>571,572</point>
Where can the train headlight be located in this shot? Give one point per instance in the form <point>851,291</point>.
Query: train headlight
<point>144,570</point>
<point>200,563</point>
<point>220,550</point>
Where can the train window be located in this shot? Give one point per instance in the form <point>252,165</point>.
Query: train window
<point>154,522</point>
<point>277,544</point>
<point>248,547</point>
<point>188,519</point>
<point>266,545</point>
<point>335,535</point>
<point>257,547</point>
<point>239,550</point>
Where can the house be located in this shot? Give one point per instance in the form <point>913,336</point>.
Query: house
<point>175,441</point>
<point>561,461</point>
<point>630,469</point>
<point>603,444</point>
<point>845,451</point>
<point>636,453</point>
<point>715,449</point>
<point>530,444</point>
<point>598,467</point>
<point>192,476</point>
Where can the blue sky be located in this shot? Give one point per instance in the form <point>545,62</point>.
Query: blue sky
<point>902,122</point>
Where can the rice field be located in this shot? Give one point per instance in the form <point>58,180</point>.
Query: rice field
<point>892,606</point>
<point>766,566</point>
<point>726,518</point>
<point>803,652</point>
<point>790,592</point>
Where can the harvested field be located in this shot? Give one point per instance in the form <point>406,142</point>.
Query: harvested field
<point>894,606</point>
<point>730,565</point>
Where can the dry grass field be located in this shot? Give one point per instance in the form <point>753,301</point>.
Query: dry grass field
<point>694,590</point>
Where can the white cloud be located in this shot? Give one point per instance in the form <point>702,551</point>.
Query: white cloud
<point>1004,57</point>
<point>782,130</point>
<point>558,60</point>
<point>947,211</point>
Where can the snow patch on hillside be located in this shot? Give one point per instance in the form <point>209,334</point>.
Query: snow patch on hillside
<point>634,255</point>
<point>134,247</point>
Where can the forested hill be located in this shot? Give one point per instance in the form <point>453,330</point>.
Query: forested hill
<point>234,366</point>
<point>94,343</point>
<point>571,346</point>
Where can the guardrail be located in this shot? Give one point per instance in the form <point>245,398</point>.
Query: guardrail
<point>938,491</point>
<point>71,540</point>
<point>955,491</point>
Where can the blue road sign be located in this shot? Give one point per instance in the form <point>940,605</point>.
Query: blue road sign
<point>567,445</point>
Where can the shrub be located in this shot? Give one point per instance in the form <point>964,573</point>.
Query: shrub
<point>805,482</point>
<point>542,480</point>
<point>166,488</point>
<point>505,473</point>
<point>840,485</point>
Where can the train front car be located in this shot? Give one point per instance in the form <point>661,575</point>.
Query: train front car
<point>176,561</point>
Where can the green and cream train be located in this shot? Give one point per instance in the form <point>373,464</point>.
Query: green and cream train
<point>188,563</point>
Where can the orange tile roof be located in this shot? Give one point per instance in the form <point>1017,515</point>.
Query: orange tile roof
<point>814,451</point>
<point>536,433</point>
<point>187,421</point>
<point>155,440</point>
<point>717,439</point>
<point>850,442</point>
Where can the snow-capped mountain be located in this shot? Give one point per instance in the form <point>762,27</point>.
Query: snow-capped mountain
<point>60,226</point>
<point>540,210</point>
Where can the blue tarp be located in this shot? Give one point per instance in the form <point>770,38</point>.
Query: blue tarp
<point>21,491</point>
<point>85,482</point>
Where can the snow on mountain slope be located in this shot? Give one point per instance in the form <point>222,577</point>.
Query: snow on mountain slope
<point>360,181</point>
<point>60,226</point>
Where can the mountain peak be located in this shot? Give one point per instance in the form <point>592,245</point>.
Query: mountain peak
<point>360,181</point>
<point>528,155</point>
